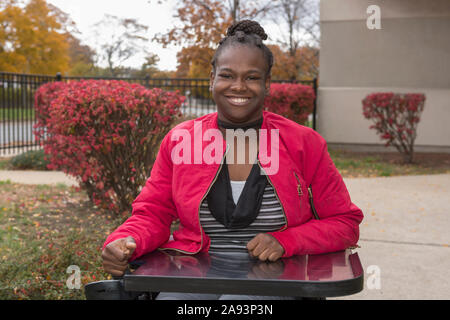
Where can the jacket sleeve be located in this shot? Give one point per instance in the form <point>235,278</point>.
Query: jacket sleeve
<point>338,226</point>
<point>153,209</point>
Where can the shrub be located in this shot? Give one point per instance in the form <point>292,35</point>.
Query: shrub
<point>106,134</point>
<point>293,101</point>
<point>395,118</point>
<point>44,95</point>
<point>33,159</point>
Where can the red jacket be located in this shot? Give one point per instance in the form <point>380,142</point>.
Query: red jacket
<point>177,190</point>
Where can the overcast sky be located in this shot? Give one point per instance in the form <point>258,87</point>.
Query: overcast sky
<point>158,17</point>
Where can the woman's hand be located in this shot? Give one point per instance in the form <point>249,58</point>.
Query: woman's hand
<point>116,254</point>
<point>265,247</point>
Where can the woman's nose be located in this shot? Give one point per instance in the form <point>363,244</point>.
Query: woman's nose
<point>238,85</point>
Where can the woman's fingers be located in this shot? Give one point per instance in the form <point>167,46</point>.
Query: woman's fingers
<point>274,256</point>
<point>265,247</point>
<point>116,254</point>
<point>263,256</point>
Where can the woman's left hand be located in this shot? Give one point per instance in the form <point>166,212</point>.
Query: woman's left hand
<point>265,247</point>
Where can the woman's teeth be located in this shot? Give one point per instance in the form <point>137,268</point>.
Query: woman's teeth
<point>239,100</point>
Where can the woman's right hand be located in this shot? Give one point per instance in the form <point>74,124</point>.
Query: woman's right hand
<point>116,254</point>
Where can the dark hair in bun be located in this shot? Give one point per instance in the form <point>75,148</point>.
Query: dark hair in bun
<point>245,32</point>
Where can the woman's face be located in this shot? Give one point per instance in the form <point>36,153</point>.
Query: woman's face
<point>239,83</point>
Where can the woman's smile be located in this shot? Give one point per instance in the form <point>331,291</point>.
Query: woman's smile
<point>238,101</point>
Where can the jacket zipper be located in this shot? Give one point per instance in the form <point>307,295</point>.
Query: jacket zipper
<point>299,186</point>
<point>203,198</point>
<point>276,194</point>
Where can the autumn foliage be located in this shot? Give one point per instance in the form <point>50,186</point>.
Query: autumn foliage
<point>104,133</point>
<point>202,24</point>
<point>33,38</point>
<point>291,100</point>
<point>395,118</point>
<point>302,65</point>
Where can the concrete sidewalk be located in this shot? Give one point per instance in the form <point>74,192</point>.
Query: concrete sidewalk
<point>405,234</point>
<point>37,177</point>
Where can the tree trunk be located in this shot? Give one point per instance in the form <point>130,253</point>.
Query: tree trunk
<point>235,11</point>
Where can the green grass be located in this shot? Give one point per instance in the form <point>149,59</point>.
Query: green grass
<point>17,114</point>
<point>352,164</point>
<point>44,230</point>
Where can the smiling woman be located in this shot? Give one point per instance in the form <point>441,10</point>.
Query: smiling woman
<point>229,208</point>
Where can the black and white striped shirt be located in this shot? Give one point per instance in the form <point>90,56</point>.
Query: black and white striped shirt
<point>270,218</point>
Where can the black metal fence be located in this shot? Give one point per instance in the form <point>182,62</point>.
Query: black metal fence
<point>17,103</point>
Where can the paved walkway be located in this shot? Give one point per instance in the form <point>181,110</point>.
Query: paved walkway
<point>37,177</point>
<point>405,235</point>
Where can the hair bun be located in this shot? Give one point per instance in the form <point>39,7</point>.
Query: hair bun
<point>248,27</point>
<point>240,35</point>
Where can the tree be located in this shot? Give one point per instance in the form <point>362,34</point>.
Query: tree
<point>32,38</point>
<point>204,22</point>
<point>126,37</point>
<point>10,19</point>
<point>203,25</point>
<point>82,57</point>
<point>194,62</point>
<point>281,60</point>
<point>301,66</point>
<point>300,18</point>
<point>148,68</point>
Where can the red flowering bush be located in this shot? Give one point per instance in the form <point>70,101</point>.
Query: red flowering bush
<point>395,118</point>
<point>293,101</point>
<point>106,134</point>
<point>43,97</point>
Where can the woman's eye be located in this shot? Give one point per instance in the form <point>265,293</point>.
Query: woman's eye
<point>225,76</point>
<point>253,78</point>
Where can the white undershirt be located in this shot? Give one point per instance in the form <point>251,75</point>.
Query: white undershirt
<point>236,188</point>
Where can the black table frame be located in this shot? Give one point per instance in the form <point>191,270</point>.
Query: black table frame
<point>268,287</point>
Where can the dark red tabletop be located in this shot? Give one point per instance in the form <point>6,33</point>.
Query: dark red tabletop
<point>325,275</point>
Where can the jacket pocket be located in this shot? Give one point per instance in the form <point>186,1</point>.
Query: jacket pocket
<point>300,189</point>
<point>308,193</point>
<point>299,184</point>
